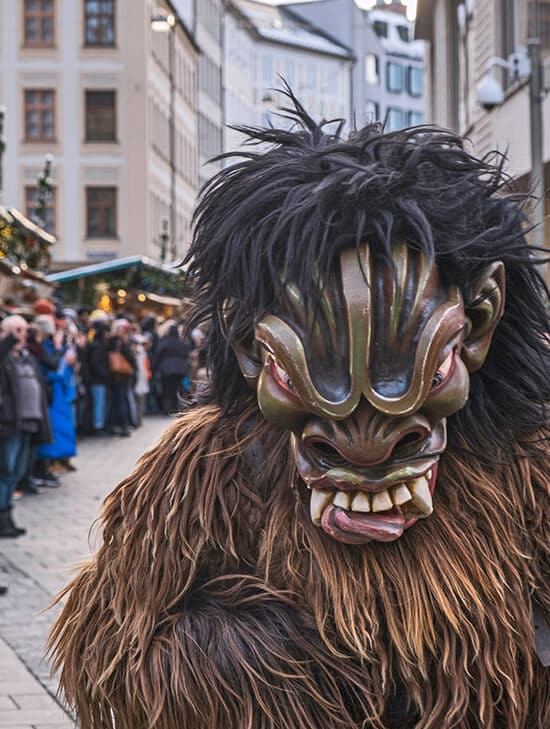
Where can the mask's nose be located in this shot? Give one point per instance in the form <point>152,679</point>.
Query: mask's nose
<point>367,438</point>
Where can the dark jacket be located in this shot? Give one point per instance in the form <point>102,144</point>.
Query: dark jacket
<point>115,344</point>
<point>172,356</point>
<point>96,363</point>
<point>9,417</point>
<point>48,358</point>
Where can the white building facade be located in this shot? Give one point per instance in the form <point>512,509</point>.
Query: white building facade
<point>394,74</point>
<point>387,76</point>
<point>263,44</point>
<point>89,83</point>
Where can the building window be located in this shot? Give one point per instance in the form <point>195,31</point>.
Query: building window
<point>380,28</point>
<point>101,212</point>
<point>32,208</point>
<point>332,82</point>
<point>394,119</point>
<point>210,137</point>
<point>39,115</point>
<point>209,15</point>
<point>267,72</point>
<point>373,112</point>
<point>415,118</point>
<point>100,116</point>
<point>403,33</point>
<point>414,80</point>
<point>539,22</point>
<point>290,72</point>
<point>99,22</point>
<point>394,77</point>
<point>508,38</point>
<point>38,23</point>
<point>372,69</point>
<point>210,79</point>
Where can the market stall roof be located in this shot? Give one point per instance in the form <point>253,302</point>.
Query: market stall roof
<point>21,269</point>
<point>5,216</point>
<point>166,300</point>
<point>113,265</point>
<point>27,227</point>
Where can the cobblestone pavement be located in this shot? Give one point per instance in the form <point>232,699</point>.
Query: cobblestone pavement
<point>37,565</point>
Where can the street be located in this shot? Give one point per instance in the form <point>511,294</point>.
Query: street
<point>37,565</point>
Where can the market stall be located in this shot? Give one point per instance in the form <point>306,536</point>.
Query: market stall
<point>137,285</point>
<point>24,247</point>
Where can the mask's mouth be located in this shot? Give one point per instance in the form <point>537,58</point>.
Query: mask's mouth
<point>355,505</point>
<point>357,517</point>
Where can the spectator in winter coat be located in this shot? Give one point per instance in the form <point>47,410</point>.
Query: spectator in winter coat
<point>97,374</point>
<point>83,321</point>
<point>63,397</point>
<point>38,474</point>
<point>24,419</point>
<point>120,381</point>
<point>171,361</point>
<point>143,375</point>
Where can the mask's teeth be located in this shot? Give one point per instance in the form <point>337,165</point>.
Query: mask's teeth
<point>342,499</point>
<point>319,500</point>
<point>421,504</point>
<point>361,502</point>
<point>400,494</point>
<point>381,501</point>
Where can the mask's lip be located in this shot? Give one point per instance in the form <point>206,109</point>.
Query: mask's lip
<point>384,526</point>
<point>371,466</point>
<point>345,479</point>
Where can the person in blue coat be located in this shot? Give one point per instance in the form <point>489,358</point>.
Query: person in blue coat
<point>63,395</point>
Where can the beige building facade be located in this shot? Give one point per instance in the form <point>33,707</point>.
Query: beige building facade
<point>209,35</point>
<point>464,36</point>
<point>89,82</point>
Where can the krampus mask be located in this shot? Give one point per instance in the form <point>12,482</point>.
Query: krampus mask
<point>351,530</point>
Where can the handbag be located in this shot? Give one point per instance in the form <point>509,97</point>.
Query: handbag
<point>119,365</point>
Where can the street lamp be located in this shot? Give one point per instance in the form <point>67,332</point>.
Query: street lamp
<point>164,22</point>
<point>164,238</point>
<point>45,188</point>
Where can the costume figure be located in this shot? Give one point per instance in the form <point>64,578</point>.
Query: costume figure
<point>351,532</point>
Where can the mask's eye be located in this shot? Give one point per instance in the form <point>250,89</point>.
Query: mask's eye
<point>281,376</point>
<point>444,370</point>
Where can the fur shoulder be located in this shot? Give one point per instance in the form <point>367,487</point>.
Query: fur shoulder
<point>189,509</point>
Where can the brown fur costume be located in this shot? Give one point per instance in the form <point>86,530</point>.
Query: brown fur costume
<point>202,603</point>
<point>215,603</point>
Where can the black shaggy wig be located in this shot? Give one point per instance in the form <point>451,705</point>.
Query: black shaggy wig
<point>285,215</point>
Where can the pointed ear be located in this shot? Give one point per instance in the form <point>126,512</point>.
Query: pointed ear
<point>483,315</point>
<point>246,350</point>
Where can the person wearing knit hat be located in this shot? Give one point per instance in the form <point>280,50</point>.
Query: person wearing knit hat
<point>43,306</point>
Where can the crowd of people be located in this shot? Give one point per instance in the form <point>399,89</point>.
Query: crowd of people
<point>67,374</point>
